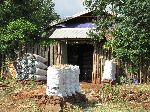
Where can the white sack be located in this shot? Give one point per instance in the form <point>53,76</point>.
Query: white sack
<point>53,71</point>
<point>67,73</point>
<point>32,70</point>
<point>56,90</point>
<point>72,81</point>
<point>30,56</point>
<point>37,77</point>
<point>40,65</point>
<point>109,70</point>
<point>41,72</point>
<point>54,76</point>
<point>66,77</point>
<point>55,82</point>
<point>40,58</point>
<point>77,83</point>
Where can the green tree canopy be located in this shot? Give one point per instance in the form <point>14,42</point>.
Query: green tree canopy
<point>128,22</point>
<point>23,21</point>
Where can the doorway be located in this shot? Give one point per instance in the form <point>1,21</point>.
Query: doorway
<point>82,55</point>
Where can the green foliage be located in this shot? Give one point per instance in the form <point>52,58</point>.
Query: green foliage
<point>24,21</point>
<point>39,12</point>
<point>109,93</point>
<point>128,22</point>
<point>19,31</point>
<point>1,79</point>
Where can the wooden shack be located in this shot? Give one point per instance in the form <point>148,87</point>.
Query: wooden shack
<point>74,46</point>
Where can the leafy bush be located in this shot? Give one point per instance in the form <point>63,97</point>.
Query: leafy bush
<point>109,93</point>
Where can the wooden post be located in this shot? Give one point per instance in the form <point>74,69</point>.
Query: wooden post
<point>94,66</point>
<point>99,68</point>
<point>97,65</point>
<point>96,75</point>
<point>140,70</point>
<point>101,61</point>
<point>51,55</point>
<point>117,69</point>
<point>59,54</point>
<point>35,49</point>
<point>93,72</point>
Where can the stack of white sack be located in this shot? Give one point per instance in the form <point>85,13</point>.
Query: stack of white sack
<point>37,65</point>
<point>31,67</point>
<point>62,80</point>
<point>55,82</point>
<point>109,70</point>
<point>75,78</point>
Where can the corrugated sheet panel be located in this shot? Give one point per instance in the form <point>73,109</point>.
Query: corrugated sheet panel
<point>70,33</point>
<point>68,18</point>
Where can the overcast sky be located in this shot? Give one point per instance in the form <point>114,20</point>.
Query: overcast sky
<point>67,8</point>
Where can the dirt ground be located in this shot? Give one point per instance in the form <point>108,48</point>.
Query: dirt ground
<point>21,99</point>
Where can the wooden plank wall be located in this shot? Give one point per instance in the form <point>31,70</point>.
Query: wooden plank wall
<point>54,55</point>
<point>52,52</point>
<point>99,57</point>
<point>44,51</point>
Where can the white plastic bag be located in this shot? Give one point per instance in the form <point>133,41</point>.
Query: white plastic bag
<point>67,73</point>
<point>40,58</point>
<point>64,77</point>
<point>39,64</point>
<point>56,90</point>
<point>77,84</point>
<point>109,70</point>
<point>37,77</point>
<point>40,72</point>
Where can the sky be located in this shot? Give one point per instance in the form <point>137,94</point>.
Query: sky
<point>66,8</point>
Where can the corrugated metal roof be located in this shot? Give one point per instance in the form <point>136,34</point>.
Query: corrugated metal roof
<point>68,18</point>
<point>72,33</point>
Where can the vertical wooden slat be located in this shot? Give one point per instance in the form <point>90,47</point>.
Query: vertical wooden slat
<point>34,51</point>
<point>99,68</point>
<point>140,75</point>
<point>94,66</point>
<point>55,54</point>
<point>98,78</point>
<point>46,54</point>
<point>58,53</point>
<point>101,62</point>
<point>39,50</point>
<point>148,72</point>
<point>96,69</point>
<point>117,69</point>
<point>93,72</point>
<point>49,55</point>
<point>97,63</point>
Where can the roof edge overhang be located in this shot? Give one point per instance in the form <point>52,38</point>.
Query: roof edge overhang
<point>71,39</point>
<point>71,34</point>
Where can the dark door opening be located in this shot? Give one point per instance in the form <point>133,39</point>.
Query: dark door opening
<point>82,55</point>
